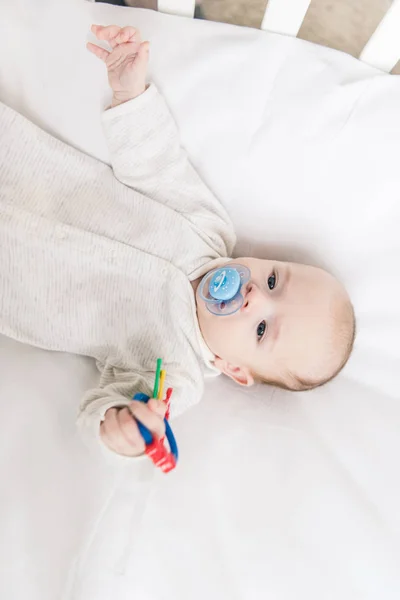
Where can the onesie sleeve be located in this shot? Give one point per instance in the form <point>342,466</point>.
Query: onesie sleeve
<point>146,155</point>
<point>116,389</point>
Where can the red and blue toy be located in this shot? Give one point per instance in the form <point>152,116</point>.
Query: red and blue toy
<point>164,459</point>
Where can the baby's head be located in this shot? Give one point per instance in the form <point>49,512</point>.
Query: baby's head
<point>295,328</point>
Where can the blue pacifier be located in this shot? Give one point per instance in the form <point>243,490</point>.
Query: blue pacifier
<point>220,288</point>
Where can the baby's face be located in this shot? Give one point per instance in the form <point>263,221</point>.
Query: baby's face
<point>294,326</point>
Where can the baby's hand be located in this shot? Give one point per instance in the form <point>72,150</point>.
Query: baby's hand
<point>126,63</point>
<point>119,430</point>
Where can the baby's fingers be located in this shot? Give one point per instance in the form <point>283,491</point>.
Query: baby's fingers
<point>127,34</point>
<point>157,406</point>
<point>105,33</point>
<point>97,51</point>
<point>114,35</point>
<point>120,433</point>
<point>148,418</point>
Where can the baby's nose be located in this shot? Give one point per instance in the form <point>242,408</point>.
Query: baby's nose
<point>247,292</point>
<point>252,295</point>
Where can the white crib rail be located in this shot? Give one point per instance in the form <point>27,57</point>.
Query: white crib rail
<point>383,48</point>
<point>285,16</point>
<point>183,8</point>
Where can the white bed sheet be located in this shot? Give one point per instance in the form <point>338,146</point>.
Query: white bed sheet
<point>277,495</point>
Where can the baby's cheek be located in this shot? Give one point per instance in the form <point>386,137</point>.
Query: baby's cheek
<point>216,336</point>
<point>231,338</point>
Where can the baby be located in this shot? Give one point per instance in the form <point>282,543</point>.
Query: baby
<point>128,265</point>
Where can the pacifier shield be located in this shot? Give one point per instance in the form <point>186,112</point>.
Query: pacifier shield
<point>220,288</point>
<point>225,284</point>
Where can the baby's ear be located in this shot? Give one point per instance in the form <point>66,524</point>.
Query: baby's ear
<point>242,375</point>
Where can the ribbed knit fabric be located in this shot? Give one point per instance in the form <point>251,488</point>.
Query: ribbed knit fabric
<point>99,263</point>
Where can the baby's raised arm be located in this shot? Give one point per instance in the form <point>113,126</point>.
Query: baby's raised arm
<point>145,149</point>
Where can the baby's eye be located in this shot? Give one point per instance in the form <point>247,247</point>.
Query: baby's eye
<point>271,281</point>
<point>261,330</point>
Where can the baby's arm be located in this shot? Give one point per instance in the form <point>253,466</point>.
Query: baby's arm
<point>144,143</point>
<point>105,418</point>
<point>106,413</point>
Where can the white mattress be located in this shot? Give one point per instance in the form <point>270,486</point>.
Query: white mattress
<point>277,495</point>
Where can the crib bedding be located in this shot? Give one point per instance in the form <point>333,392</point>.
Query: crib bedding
<point>277,495</point>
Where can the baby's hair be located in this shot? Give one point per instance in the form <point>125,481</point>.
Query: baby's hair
<point>345,336</point>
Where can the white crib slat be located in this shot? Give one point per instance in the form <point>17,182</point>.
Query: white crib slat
<point>184,8</point>
<point>383,48</point>
<point>285,16</point>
